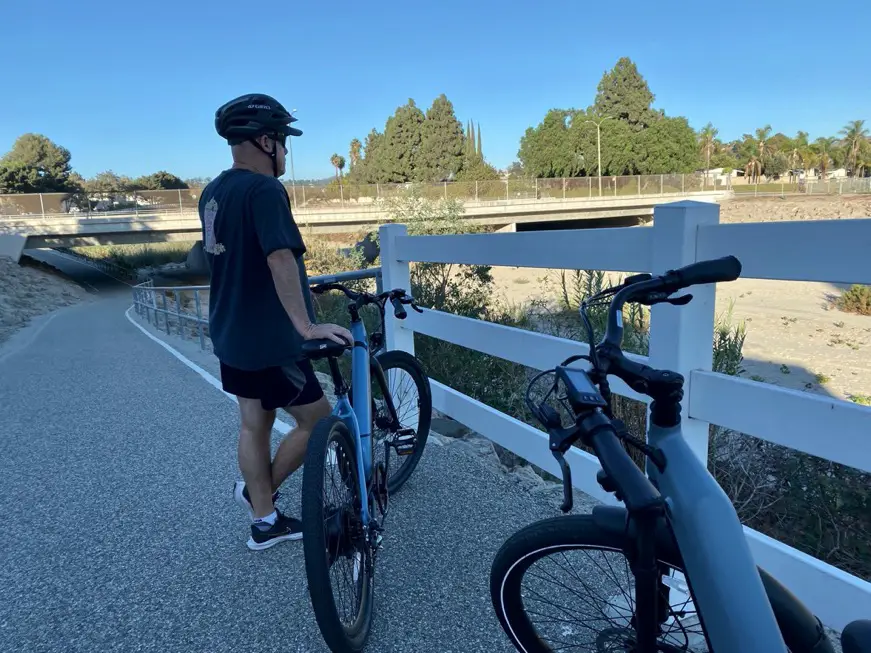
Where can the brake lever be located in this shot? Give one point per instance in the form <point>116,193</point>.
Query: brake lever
<point>568,498</point>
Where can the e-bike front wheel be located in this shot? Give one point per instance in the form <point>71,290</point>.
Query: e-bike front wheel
<point>338,556</point>
<point>565,584</point>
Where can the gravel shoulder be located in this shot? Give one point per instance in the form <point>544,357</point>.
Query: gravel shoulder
<point>32,289</point>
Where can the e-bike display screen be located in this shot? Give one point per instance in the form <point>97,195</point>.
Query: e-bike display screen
<point>582,392</point>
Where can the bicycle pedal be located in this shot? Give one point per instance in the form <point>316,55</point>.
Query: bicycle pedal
<point>405,442</point>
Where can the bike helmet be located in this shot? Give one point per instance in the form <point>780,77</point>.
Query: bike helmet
<point>247,117</point>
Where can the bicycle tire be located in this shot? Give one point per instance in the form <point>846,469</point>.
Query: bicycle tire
<point>338,637</point>
<point>801,630</point>
<point>402,360</point>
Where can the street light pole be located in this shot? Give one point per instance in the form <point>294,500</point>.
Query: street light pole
<point>292,175</point>
<point>599,147</point>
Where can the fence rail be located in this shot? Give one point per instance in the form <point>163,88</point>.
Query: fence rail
<point>168,202</point>
<point>680,339</point>
<point>183,310</point>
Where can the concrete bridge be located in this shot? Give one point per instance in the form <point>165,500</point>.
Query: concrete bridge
<point>18,233</point>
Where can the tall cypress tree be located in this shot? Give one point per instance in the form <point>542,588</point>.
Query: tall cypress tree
<point>480,149</point>
<point>401,143</point>
<point>442,143</point>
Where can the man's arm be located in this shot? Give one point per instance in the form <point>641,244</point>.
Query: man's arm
<point>285,275</point>
<point>282,243</point>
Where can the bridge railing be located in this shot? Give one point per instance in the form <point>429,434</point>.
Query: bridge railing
<point>681,340</point>
<point>107,203</point>
<point>184,310</point>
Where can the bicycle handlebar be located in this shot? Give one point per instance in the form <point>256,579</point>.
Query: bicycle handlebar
<point>650,290</point>
<point>398,297</point>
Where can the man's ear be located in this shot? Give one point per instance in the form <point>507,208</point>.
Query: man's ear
<point>266,143</point>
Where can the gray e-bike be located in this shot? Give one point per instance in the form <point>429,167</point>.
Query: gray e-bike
<point>672,569</point>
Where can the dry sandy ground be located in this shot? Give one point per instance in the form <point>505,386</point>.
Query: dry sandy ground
<point>28,290</point>
<point>795,338</point>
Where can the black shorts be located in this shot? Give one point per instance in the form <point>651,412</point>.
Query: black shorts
<point>275,387</point>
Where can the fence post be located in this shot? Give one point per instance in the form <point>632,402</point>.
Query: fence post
<point>506,190</point>
<point>446,190</point>
<point>476,191</point>
<point>564,187</point>
<point>42,205</point>
<point>683,184</point>
<point>639,185</point>
<point>180,209</point>
<point>536,188</point>
<point>661,185</point>
<point>395,274</point>
<point>681,337</point>
<point>590,187</point>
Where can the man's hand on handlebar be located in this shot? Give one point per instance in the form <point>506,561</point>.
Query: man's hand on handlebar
<point>332,332</point>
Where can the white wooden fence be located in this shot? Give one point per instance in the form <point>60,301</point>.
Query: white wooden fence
<point>836,251</point>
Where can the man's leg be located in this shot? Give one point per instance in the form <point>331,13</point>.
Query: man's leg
<point>291,451</point>
<point>254,450</point>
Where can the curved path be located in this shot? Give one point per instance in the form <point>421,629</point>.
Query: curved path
<point>119,533</point>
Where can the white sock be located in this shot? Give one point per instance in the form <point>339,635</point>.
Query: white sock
<point>268,520</point>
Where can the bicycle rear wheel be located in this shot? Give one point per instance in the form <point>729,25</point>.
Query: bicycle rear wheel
<point>578,558</point>
<point>408,386</point>
<point>338,557</point>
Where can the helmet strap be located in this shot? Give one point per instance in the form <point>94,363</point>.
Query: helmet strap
<point>272,155</point>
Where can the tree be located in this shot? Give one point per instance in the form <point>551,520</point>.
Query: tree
<point>707,145</point>
<point>853,135</point>
<point>338,163</point>
<point>547,149</point>
<point>401,145</point>
<point>480,149</point>
<point>822,149</point>
<point>668,145</point>
<point>36,164</point>
<point>623,94</point>
<point>441,149</point>
<point>752,170</point>
<point>776,165</point>
<point>107,183</point>
<point>762,136</point>
<point>370,169</point>
<point>161,180</point>
<point>354,152</point>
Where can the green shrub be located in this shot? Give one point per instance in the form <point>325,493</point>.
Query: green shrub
<point>856,300</point>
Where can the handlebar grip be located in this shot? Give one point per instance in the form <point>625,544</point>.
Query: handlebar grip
<point>398,308</point>
<point>727,268</point>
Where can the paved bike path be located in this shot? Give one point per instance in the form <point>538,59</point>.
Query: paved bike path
<point>118,531</point>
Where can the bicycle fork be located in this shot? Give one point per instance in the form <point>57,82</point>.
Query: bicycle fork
<point>651,594</point>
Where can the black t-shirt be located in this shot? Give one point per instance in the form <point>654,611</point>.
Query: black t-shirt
<point>246,216</point>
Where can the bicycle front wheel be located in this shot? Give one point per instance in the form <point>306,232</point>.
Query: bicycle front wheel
<point>338,557</point>
<point>564,584</point>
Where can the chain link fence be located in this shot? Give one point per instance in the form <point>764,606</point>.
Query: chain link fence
<point>309,197</point>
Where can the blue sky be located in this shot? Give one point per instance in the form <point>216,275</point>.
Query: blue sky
<point>133,87</point>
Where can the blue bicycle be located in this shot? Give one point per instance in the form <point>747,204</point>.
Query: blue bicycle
<point>346,484</point>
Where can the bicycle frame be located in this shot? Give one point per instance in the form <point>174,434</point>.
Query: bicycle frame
<point>728,590</point>
<point>359,416</point>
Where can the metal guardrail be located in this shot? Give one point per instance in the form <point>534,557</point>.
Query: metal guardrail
<point>183,309</point>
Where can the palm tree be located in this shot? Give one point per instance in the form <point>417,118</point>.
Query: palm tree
<point>356,147</point>
<point>338,163</point>
<point>853,135</point>
<point>823,147</point>
<point>708,145</point>
<point>752,170</point>
<point>809,159</point>
<point>762,136</point>
<point>799,144</point>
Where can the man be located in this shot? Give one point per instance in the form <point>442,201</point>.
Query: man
<point>260,308</point>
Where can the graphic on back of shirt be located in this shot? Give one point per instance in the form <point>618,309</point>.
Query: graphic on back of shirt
<point>209,213</point>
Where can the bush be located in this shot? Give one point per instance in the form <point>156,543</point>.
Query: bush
<point>856,300</point>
